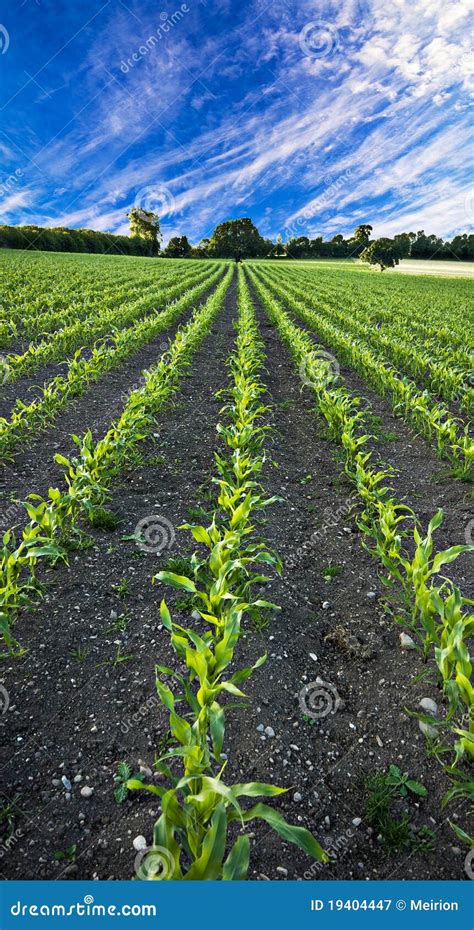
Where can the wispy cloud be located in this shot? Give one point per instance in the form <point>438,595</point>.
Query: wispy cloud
<point>230,114</point>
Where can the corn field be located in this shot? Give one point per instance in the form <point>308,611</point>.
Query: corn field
<point>235,602</point>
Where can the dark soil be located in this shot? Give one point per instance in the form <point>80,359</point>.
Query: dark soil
<point>79,713</point>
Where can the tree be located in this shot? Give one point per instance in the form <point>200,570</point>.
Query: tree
<point>362,233</point>
<point>236,239</point>
<point>403,244</point>
<point>145,225</point>
<point>381,252</point>
<point>298,247</point>
<point>178,247</point>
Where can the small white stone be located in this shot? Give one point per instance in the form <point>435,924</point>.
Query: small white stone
<point>313,657</point>
<point>326,605</point>
<point>139,843</point>
<point>297,796</point>
<point>87,791</point>
<point>406,642</point>
<point>270,731</point>
<point>357,821</point>
<point>429,706</point>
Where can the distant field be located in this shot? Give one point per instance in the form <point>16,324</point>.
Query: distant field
<point>452,269</point>
<point>304,416</point>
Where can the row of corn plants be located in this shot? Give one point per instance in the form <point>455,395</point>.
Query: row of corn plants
<point>433,608</point>
<point>91,301</point>
<point>41,287</point>
<point>418,408</point>
<point>432,309</point>
<point>49,307</point>
<point>54,522</point>
<point>85,332</point>
<point>200,833</point>
<point>81,371</point>
<point>445,376</point>
<point>43,305</point>
<point>428,312</point>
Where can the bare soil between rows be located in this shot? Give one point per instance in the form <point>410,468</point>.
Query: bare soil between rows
<point>78,717</point>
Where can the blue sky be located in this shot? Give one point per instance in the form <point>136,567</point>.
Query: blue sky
<point>310,117</point>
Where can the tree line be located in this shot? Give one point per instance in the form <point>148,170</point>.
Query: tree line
<point>61,239</point>
<point>239,239</point>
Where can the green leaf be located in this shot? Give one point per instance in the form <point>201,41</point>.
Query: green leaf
<point>416,788</point>
<point>200,534</point>
<point>449,555</point>
<point>177,581</point>
<point>166,616</point>
<point>237,863</point>
<point>134,784</point>
<point>62,460</point>
<point>208,865</point>
<point>299,836</point>
<point>256,789</point>
<point>124,771</point>
<point>217,724</point>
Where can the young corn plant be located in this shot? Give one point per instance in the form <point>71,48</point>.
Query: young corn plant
<point>196,834</point>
